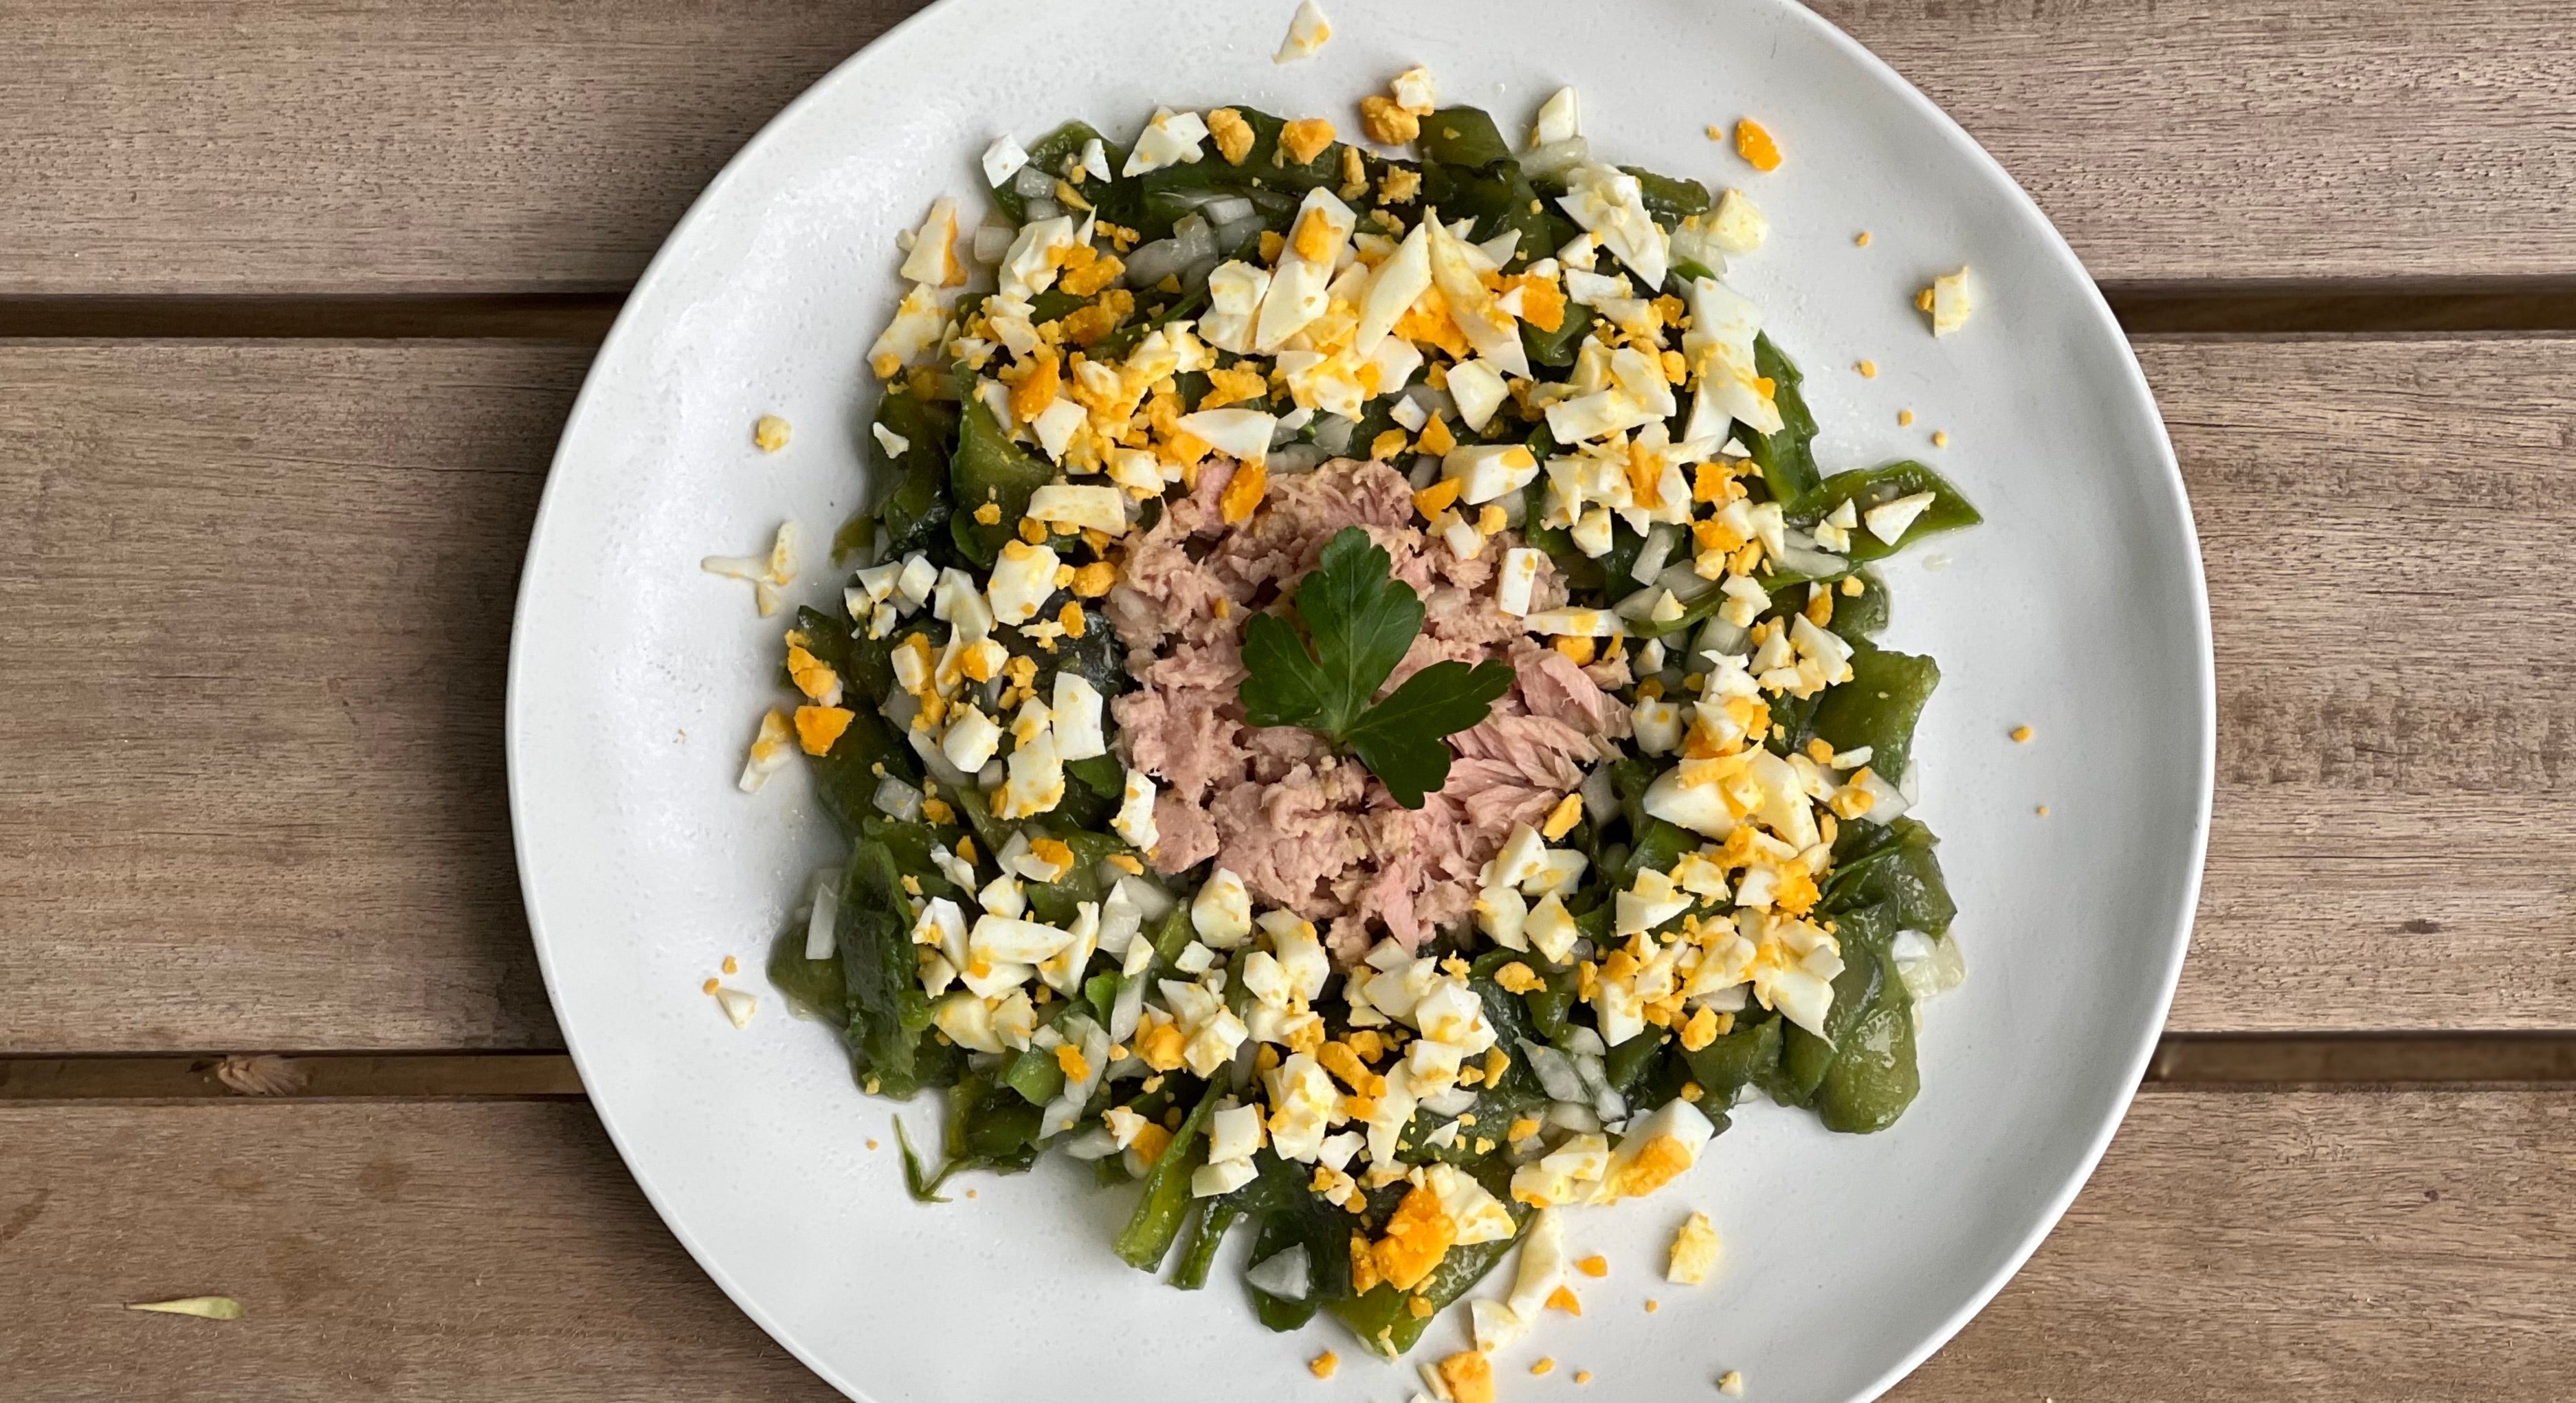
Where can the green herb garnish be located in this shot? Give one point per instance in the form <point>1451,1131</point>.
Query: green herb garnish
<point>1359,620</point>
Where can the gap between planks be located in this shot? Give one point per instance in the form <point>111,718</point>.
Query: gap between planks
<point>2204,309</point>
<point>2205,1061</point>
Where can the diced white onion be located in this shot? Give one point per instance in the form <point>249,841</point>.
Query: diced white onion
<point>1657,550</point>
<point>1295,458</point>
<point>1283,1275</point>
<point>993,241</point>
<point>897,800</point>
<point>1033,183</point>
<point>826,916</point>
<point>1555,1072</point>
<point>1555,158</point>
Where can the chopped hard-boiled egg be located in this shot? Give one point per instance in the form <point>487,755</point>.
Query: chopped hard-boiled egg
<point>1308,31</point>
<point>1695,1249</point>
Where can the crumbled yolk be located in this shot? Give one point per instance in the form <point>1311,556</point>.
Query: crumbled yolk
<point>1305,139</point>
<point>769,433</point>
<point>1093,580</point>
<point>1417,1237</point>
<point>1233,386</point>
<point>1232,134</point>
<point>1753,142</point>
<point>710,986</point>
<point>1700,1030</point>
<point>1861,239</point>
<point>1583,1376</point>
<point>1150,1142</point>
<point>1436,438</point>
<point>1657,1164</point>
<point>1070,1061</point>
<point>1243,492</point>
<point>1940,439</point>
<point>1523,1128</point>
<point>2022,734</point>
<point>1868,369</point>
<point>1419,1306</point>
<point>817,727</point>
<point>1594,1265</point>
<point>1470,1376</point>
<point>1386,123</point>
<point>1561,819</point>
<point>1324,1365</point>
<point>1562,1298</point>
<point>1543,1366</point>
<point>1386,445</point>
<point>1904,417</point>
<point>989,514</point>
<point>1439,496</point>
<point>1579,649</point>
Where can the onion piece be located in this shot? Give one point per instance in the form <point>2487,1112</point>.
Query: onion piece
<point>1284,1274</point>
<point>1555,1072</point>
<point>1658,548</point>
<point>1225,209</point>
<point>1599,800</point>
<point>1295,458</point>
<point>993,242</point>
<point>1555,158</point>
<point>1333,433</point>
<point>1031,183</point>
<point>897,800</point>
<point>826,917</point>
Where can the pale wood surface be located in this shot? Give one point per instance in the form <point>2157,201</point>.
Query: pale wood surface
<point>256,642</point>
<point>2233,1246</point>
<point>263,145</point>
<point>256,612</point>
<point>2384,528</point>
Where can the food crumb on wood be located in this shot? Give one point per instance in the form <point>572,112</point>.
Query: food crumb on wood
<point>263,1074</point>
<point>203,1307</point>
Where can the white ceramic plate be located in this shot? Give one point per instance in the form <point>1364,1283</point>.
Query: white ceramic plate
<point>635,681</point>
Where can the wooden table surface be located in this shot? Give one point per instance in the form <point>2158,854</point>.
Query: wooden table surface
<point>293,300</point>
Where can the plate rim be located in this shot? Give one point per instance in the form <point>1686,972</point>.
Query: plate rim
<point>2134,386</point>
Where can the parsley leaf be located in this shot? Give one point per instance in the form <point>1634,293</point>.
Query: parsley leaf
<point>1359,620</point>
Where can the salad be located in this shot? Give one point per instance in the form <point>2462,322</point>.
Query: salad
<point>1360,715</point>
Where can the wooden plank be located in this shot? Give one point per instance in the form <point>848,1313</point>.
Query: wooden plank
<point>452,1251</point>
<point>2383,526</point>
<point>2233,1246</point>
<point>256,611</point>
<point>513,145</point>
<point>256,642</point>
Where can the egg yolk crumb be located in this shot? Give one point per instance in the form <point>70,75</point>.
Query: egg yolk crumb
<point>1324,1365</point>
<point>1470,1376</point>
<point>2022,734</point>
<point>1594,1265</point>
<point>769,433</point>
<point>1753,142</point>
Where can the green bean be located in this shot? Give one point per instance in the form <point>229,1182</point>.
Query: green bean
<point>1463,136</point>
<point>916,504</point>
<point>1740,1057</point>
<point>1209,1235</point>
<point>1878,707</point>
<point>1787,458</point>
<point>1874,1077</point>
<point>1868,487</point>
<point>1166,1200</point>
<point>989,468</point>
<point>1669,199</point>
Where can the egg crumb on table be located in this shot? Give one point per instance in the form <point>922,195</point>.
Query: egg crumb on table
<point>1731,1383</point>
<point>1324,1365</point>
<point>769,433</point>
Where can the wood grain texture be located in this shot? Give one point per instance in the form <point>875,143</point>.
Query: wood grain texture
<point>255,612</point>
<point>2233,1246</point>
<point>256,672</point>
<point>2384,525</point>
<point>500,145</point>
